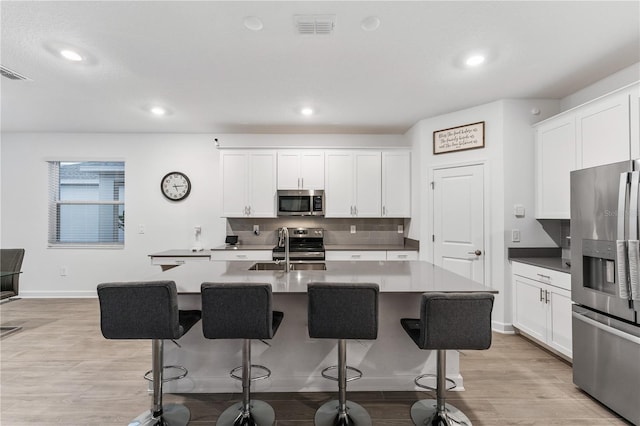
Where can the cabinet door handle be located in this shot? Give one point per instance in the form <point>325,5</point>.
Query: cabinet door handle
<point>384,211</point>
<point>355,210</point>
<point>301,182</point>
<point>546,296</point>
<point>541,296</point>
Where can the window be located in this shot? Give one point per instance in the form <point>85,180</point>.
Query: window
<point>86,203</point>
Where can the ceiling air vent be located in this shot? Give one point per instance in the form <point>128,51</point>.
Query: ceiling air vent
<point>11,75</point>
<point>315,24</point>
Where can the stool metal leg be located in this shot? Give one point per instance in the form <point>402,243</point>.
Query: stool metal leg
<point>437,412</point>
<point>159,415</point>
<point>248,412</point>
<point>342,412</point>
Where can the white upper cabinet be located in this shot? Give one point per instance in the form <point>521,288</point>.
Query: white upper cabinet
<point>599,132</point>
<point>396,184</point>
<point>248,183</point>
<point>602,130</point>
<point>353,181</point>
<point>555,159</point>
<point>300,170</point>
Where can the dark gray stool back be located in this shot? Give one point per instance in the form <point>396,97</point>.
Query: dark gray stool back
<point>10,261</point>
<point>241,311</point>
<point>139,310</point>
<point>455,321</point>
<point>237,311</point>
<point>343,311</point>
<point>148,310</point>
<point>448,321</point>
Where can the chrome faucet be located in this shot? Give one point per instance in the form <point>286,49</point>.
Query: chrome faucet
<point>284,236</point>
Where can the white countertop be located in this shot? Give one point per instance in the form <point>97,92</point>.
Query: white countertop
<point>392,276</point>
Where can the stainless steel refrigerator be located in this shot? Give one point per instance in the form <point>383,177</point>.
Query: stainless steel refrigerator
<point>605,285</point>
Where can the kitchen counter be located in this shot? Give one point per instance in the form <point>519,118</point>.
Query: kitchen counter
<point>554,263</point>
<point>392,276</point>
<point>544,257</point>
<point>390,362</point>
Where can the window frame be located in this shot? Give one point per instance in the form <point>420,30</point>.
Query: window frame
<point>54,205</point>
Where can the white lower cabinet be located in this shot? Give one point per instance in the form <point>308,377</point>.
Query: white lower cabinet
<point>255,255</point>
<point>542,305</point>
<point>354,255</point>
<point>402,255</point>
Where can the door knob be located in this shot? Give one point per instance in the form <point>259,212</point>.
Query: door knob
<point>477,252</point>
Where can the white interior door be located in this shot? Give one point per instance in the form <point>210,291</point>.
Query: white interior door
<point>458,220</point>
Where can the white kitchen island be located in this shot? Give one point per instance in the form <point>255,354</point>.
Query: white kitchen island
<point>389,363</point>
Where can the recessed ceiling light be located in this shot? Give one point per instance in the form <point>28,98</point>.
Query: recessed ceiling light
<point>474,60</point>
<point>306,111</point>
<point>71,55</point>
<point>253,23</point>
<point>370,23</point>
<point>158,110</point>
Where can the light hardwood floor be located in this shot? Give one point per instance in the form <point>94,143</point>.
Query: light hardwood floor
<point>60,370</point>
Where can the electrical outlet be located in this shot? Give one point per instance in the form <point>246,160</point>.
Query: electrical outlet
<point>141,229</point>
<point>515,235</point>
<point>400,229</point>
<point>63,271</point>
<point>353,229</point>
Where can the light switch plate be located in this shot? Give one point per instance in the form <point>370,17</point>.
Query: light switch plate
<point>400,229</point>
<point>353,229</point>
<point>515,235</point>
<point>518,210</point>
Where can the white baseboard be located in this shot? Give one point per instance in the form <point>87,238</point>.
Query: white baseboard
<point>503,328</point>
<point>58,294</point>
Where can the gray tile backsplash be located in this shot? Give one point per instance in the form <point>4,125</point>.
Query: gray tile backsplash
<point>337,231</point>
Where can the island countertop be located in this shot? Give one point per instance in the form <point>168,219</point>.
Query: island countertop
<point>391,276</point>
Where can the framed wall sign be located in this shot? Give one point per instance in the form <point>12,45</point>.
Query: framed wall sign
<point>461,138</point>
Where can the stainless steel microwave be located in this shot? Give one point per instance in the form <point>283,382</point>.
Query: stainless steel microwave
<point>301,202</point>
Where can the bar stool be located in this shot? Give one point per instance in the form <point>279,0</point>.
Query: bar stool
<point>452,321</point>
<point>148,310</point>
<point>241,311</point>
<point>342,311</point>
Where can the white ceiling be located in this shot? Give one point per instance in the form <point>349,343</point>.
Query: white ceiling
<point>215,75</point>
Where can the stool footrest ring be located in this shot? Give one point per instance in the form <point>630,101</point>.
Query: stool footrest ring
<point>417,382</point>
<point>335,367</point>
<point>233,374</point>
<point>149,374</point>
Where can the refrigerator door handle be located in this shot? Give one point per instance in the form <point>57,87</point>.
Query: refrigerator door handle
<point>634,243</point>
<point>621,242</point>
<point>622,204</point>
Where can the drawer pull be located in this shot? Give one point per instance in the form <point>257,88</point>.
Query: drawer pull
<point>241,256</point>
<point>355,256</point>
<point>402,256</point>
<point>547,277</point>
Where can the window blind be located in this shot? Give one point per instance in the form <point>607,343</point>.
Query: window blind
<point>86,203</point>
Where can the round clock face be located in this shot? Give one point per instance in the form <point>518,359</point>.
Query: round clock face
<point>175,186</point>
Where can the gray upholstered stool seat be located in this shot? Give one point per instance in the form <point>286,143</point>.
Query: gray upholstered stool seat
<point>342,311</point>
<point>241,311</point>
<point>148,310</point>
<point>452,321</point>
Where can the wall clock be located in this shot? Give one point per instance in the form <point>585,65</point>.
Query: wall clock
<point>175,186</point>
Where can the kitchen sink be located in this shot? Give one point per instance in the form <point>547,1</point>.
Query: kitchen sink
<point>301,266</point>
